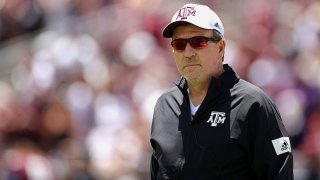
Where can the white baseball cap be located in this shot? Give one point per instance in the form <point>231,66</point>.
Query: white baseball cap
<point>196,14</point>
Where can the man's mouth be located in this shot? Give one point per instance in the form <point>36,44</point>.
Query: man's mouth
<point>191,65</point>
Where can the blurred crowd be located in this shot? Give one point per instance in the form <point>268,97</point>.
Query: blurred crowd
<point>79,79</point>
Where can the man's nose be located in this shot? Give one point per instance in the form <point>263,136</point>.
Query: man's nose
<point>189,51</point>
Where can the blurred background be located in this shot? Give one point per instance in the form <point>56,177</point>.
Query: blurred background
<point>79,79</point>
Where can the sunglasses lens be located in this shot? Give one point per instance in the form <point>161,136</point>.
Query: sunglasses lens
<point>179,44</point>
<point>195,42</point>
<point>198,42</point>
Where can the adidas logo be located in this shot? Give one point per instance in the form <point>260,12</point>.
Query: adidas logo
<point>281,145</point>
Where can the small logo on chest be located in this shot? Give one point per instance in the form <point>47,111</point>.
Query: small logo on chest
<point>216,118</point>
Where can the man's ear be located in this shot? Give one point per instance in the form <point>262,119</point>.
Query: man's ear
<point>222,45</point>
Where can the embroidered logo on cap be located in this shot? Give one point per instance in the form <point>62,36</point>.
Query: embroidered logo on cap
<point>185,12</point>
<point>281,145</point>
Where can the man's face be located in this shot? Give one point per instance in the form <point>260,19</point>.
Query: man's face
<point>198,65</point>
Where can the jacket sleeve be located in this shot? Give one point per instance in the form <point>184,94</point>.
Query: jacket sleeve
<point>154,164</point>
<point>270,144</point>
<point>154,167</point>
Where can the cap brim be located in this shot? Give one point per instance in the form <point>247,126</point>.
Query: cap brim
<point>168,30</point>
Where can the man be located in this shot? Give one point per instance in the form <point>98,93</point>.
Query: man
<point>212,124</point>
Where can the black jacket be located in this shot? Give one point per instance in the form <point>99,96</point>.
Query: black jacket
<point>236,133</point>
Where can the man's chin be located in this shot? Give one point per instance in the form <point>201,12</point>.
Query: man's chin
<point>196,78</point>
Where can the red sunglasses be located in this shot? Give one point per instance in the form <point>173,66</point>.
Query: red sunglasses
<point>195,42</point>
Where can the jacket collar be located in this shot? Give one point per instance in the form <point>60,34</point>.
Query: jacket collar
<point>218,86</point>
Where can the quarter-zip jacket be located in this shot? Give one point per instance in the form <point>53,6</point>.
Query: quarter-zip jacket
<point>237,133</point>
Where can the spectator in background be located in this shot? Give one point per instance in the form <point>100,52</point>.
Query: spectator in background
<point>18,17</point>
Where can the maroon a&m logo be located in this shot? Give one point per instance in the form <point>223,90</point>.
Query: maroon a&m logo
<point>185,12</point>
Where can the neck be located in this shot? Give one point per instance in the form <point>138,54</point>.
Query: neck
<point>198,91</point>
